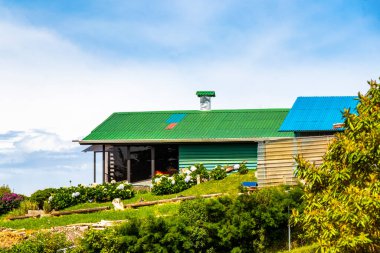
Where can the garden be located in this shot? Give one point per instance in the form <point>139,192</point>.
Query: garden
<point>65,197</point>
<point>195,174</point>
<point>231,223</point>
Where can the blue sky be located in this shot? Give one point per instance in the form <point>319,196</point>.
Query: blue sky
<point>66,65</point>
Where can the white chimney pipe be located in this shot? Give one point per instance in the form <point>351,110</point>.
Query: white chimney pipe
<point>205,97</point>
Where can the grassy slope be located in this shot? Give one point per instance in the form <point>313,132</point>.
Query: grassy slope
<point>229,185</point>
<point>304,249</point>
<point>48,222</point>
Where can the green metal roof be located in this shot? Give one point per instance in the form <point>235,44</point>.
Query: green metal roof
<point>192,126</point>
<point>205,93</point>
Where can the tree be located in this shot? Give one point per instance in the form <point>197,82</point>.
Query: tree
<point>342,210</point>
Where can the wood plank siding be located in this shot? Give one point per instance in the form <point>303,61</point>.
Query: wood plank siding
<point>276,165</point>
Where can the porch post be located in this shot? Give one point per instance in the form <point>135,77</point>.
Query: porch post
<point>94,166</point>
<point>152,162</point>
<point>104,163</point>
<point>129,164</point>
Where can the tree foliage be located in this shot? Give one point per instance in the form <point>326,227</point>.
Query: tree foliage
<point>342,195</point>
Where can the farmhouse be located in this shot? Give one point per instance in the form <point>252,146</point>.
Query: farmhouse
<point>135,145</point>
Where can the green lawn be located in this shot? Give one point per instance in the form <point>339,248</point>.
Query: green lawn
<point>229,186</point>
<point>304,249</point>
<point>48,222</point>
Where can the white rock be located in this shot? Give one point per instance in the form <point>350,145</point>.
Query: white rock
<point>118,204</point>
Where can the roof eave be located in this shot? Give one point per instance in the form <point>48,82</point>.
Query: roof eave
<point>312,130</point>
<point>156,141</point>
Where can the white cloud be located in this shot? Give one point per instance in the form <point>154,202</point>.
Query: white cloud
<point>36,159</point>
<point>36,141</point>
<point>49,82</point>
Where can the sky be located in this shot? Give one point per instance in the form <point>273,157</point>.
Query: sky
<point>67,65</point>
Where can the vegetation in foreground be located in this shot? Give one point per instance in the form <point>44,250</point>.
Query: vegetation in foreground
<point>248,223</point>
<point>343,195</point>
<point>42,242</point>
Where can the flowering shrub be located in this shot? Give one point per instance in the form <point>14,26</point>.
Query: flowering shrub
<point>163,184</point>
<point>199,169</point>
<point>218,173</point>
<point>9,201</point>
<point>69,196</point>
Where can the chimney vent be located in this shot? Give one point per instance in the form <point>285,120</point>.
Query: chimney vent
<point>205,97</point>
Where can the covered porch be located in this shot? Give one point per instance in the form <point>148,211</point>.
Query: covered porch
<point>131,162</point>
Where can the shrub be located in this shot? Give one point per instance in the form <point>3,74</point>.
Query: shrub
<point>249,223</point>
<point>163,184</point>
<point>218,173</point>
<point>47,207</point>
<point>4,189</point>
<point>243,169</point>
<point>9,201</point>
<point>41,242</point>
<point>193,211</point>
<point>201,170</point>
<point>42,195</point>
<point>99,241</point>
<point>242,189</point>
<point>25,205</point>
<point>69,196</point>
<point>168,185</point>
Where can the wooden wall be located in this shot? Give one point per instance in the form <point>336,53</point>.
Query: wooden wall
<point>275,163</point>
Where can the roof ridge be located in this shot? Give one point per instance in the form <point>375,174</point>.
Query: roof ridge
<point>327,97</point>
<point>211,111</point>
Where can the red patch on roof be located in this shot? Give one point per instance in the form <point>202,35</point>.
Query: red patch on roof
<point>171,126</point>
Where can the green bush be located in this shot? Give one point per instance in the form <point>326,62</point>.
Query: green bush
<point>201,170</point>
<point>218,173</point>
<point>25,205</point>
<point>243,169</point>
<point>4,189</point>
<point>47,207</point>
<point>42,195</point>
<point>69,196</point>
<point>107,240</point>
<point>43,242</point>
<point>249,223</point>
<point>193,211</point>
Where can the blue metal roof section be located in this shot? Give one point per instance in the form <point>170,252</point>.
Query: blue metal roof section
<point>175,118</point>
<point>310,114</point>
